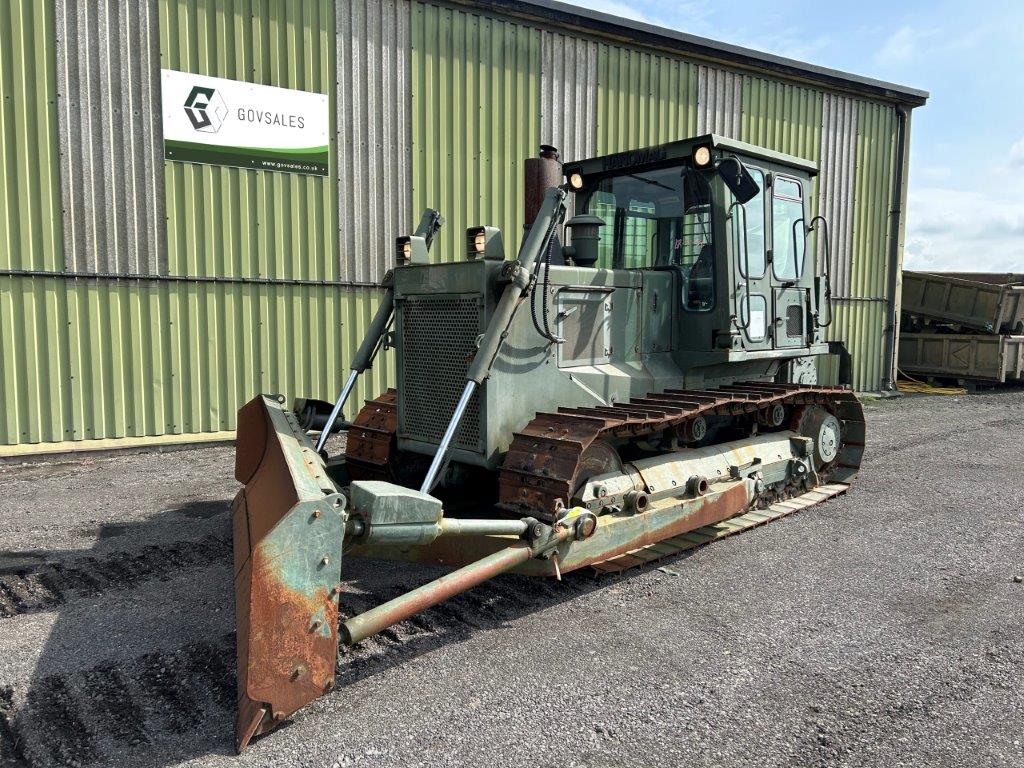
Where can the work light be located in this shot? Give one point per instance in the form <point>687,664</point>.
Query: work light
<point>410,249</point>
<point>484,243</point>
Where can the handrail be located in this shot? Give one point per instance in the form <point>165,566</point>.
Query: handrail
<point>745,274</point>
<point>824,270</point>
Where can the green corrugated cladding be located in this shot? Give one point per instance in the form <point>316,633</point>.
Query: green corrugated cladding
<point>235,223</point>
<point>785,118</point>
<point>100,359</point>
<point>861,323</point>
<point>475,117</point>
<point>643,99</point>
<point>31,234</point>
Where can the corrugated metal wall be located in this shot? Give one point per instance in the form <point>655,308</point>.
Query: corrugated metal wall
<point>30,209</point>
<point>31,235</point>
<point>719,102</point>
<point>568,100</point>
<point>476,117</point>
<point>433,106</point>
<point>103,359</point>
<point>234,222</point>
<point>861,312</point>
<point>111,137</point>
<point>643,99</point>
<point>838,172</point>
<point>87,359</point>
<point>374,132</point>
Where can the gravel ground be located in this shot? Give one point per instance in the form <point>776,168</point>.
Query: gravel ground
<point>882,628</point>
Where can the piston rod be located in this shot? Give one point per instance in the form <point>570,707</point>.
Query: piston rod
<point>449,433</point>
<point>363,359</point>
<point>402,607</point>
<point>497,328</point>
<point>338,405</point>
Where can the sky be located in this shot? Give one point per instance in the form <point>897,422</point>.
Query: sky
<point>965,207</point>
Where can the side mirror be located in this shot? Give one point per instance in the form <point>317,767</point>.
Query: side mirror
<point>738,179</point>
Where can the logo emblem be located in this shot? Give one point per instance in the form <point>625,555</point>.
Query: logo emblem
<point>206,110</point>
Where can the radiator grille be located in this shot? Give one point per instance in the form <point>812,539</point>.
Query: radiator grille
<point>438,341</point>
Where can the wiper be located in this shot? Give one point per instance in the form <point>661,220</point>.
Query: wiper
<point>652,182</point>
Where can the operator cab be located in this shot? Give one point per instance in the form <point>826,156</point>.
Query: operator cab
<point>729,219</point>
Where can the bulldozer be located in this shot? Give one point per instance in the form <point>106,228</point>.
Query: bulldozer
<point>638,377</point>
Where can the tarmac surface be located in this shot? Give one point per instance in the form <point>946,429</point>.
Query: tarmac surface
<point>882,628</point>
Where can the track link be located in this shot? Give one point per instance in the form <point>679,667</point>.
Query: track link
<point>543,463</point>
<point>371,438</point>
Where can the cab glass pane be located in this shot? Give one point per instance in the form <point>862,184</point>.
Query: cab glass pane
<point>787,230</point>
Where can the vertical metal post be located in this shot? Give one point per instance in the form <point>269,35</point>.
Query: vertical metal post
<point>345,392</point>
<point>442,449</point>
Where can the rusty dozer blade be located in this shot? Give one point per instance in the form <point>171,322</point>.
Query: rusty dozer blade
<point>289,526</point>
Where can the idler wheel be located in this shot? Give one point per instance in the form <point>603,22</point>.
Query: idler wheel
<point>825,430</point>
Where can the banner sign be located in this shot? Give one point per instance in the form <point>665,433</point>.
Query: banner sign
<point>215,121</point>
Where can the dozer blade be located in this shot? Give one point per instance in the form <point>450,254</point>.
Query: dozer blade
<point>288,530</point>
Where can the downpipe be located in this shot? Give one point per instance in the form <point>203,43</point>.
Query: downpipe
<point>895,262</point>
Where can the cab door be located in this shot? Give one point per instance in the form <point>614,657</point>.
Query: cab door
<point>787,257</point>
<point>753,297</point>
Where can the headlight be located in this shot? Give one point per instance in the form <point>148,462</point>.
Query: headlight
<point>576,181</point>
<point>701,157</point>
<point>484,243</point>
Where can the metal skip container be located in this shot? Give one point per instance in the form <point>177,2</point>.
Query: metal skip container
<point>984,357</point>
<point>987,303</point>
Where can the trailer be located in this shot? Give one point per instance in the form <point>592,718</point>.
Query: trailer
<point>968,301</point>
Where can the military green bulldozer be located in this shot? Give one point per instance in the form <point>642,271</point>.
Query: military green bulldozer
<point>638,378</point>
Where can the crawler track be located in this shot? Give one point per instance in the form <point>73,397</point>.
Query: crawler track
<point>544,462</point>
<point>543,465</point>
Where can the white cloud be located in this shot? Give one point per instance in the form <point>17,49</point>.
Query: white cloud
<point>935,173</point>
<point>961,230</point>
<point>624,10</point>
<point>901,46</point>
<point>1017,152</point>
<point>788,43</point>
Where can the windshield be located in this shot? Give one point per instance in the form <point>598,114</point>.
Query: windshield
<point>659,218</point>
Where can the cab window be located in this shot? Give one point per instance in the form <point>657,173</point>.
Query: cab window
<point>659,218</point>
<point>748,220</point>
<point>787,229</point>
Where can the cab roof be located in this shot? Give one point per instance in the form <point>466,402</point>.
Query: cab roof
<point>663,154</point>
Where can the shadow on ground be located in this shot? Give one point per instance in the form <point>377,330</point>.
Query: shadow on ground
<point>163,689</point>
